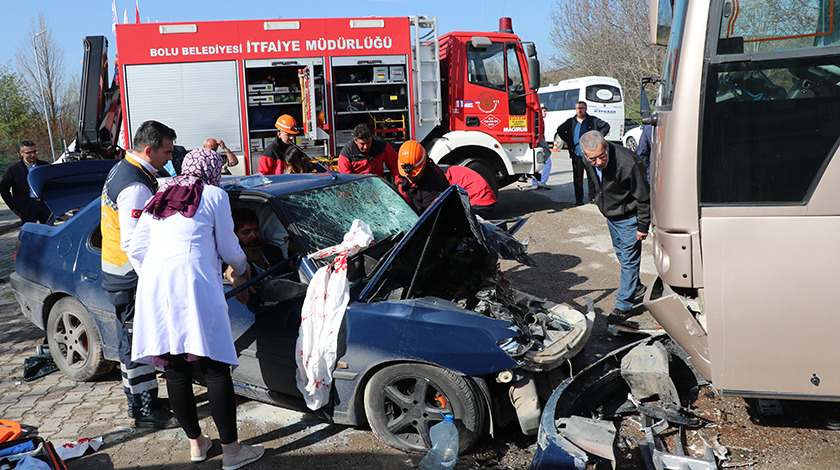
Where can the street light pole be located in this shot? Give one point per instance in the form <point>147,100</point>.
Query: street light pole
<point>43,95</point>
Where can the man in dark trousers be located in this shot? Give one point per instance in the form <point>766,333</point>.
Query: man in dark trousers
<point>623,197</point>
<point>130,183</point>
<point>366,154</point>
<point>15,190</point>
<point>570,131</point>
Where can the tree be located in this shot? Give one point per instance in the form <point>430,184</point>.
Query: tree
<point>17,113</point>
<point>48,65</point>
<point>594,37</point>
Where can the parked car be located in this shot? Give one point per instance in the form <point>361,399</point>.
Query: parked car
<point>630,123</point>
<point>432,325</point>
<point>631,138</point>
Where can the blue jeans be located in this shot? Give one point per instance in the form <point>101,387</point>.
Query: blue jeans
<point>628,250</point>
<point>546,172</point>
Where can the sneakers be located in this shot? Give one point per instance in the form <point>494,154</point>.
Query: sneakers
<point>544,186</point>
<point>528,188</point>
<point>245,456</point>
<point>199,453</point>
<point>639,294</point>
<point>618,316</point>
<point>158,419</point>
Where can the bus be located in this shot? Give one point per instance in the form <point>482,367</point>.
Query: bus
<point>603,97</point>
<point>745,192</point>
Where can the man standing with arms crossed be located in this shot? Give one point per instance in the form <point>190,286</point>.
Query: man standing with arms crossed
<point>570,131</point>
<point>623,197</point>
<point>130,183</point>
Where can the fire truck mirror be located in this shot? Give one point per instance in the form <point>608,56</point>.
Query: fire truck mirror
<point>481,42</point>
<point>533,73</point>
<point>530,50</point>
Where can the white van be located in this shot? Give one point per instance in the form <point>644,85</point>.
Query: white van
<point>602,95</point>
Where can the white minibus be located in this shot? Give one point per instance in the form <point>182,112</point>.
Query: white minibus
<point>602,95</point>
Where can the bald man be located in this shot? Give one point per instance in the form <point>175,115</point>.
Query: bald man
<point>214,145</point>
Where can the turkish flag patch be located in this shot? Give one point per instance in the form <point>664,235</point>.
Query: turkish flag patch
<point>136,213</point>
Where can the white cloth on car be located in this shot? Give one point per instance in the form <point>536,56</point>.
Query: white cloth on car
<point>323,311</point>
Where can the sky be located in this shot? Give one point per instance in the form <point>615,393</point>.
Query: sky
<point>71,21</point>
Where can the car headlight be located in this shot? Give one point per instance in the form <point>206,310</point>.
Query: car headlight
<point>513,347</point>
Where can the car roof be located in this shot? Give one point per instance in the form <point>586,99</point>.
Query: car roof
<point>281,185</point>
<point>72,185</point>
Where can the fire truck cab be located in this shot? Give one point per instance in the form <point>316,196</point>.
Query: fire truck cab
<point>468,97</point>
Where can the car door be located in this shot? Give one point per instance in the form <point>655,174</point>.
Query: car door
<point>265,332</point>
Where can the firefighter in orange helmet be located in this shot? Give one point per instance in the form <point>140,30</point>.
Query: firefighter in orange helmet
<point>420,181</point>
<point>271,160</point>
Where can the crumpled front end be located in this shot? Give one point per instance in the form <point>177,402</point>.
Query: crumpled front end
<point>450,255</point>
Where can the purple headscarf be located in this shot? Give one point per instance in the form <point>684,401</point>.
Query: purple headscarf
<point>182,194</point>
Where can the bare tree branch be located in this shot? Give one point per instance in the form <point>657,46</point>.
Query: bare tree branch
<point>48,61</point>
<point>594,37</point>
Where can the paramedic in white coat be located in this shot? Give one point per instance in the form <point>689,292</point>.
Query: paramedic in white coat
<point>181,320</point>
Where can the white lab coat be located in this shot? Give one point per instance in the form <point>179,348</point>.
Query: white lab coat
<point>180,305</point>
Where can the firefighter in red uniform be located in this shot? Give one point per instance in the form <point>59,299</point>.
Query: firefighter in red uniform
<point>366,154</point>
<point>272,160</point>
<point>482,198</point>
<point>420,181</point>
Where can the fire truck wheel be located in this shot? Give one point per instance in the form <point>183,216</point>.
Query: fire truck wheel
<point>483,169</point>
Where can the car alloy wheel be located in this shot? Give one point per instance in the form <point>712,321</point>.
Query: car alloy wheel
<point>404,401</point>
<point>75,342</point>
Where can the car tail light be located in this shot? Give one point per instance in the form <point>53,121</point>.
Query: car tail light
<point>17,247</point>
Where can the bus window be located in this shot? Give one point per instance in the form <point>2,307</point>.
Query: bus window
<point>768,129</point>
<point>750,26</point>
<point>603,94</point>
<point>669,71</point>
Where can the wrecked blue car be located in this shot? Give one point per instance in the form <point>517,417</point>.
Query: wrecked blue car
<point>432,325</point>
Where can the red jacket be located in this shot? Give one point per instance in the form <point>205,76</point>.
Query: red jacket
<point>477,189</point>
<point>272,161</point>
<point>352,161</point>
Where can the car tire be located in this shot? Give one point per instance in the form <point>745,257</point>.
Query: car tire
<point>479,166</point>
<point>403,401</point>
<point>631,144</point>
<point>75,342</point>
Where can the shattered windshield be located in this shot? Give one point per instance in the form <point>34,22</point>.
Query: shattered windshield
<point>321,216</point>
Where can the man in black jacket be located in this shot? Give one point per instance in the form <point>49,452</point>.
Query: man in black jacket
<point>570,131</point>
<point>623,196</point>
<point>15,190</point>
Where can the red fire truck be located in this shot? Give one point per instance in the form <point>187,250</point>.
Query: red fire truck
<point>470,98</point>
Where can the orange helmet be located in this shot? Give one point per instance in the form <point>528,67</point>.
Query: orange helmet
<point>287,124</point>
<point>412,158</point>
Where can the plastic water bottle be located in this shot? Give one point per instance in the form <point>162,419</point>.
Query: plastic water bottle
<point>444,451</point>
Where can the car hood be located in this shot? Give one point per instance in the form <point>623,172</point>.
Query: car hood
<point>450,255</point>
<point>448,218</point>
<point>70,185</point>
